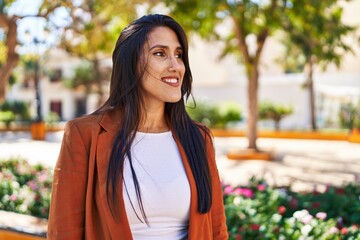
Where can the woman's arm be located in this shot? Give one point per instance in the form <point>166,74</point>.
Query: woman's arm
<point>67,207</point>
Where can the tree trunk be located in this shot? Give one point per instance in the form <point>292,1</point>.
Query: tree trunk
<point>277,125</point>
<point>312,94</point>
<point>39,117</point>
<point>5,73</point>
<point>12,57</point>
<point>253,78</point>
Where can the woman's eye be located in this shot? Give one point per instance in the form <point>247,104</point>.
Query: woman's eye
<point>159,54</point>
<point>179,55</point>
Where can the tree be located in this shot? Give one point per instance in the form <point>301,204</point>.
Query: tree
<point>249,19</point>
<point>9,37</point>
<point>275,112</point>
<point>9,43</point>
<point>90,32</point>
<point>83,76</point>
<point>316,28</point>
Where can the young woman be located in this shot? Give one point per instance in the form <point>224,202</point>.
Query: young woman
<point>139,167</point>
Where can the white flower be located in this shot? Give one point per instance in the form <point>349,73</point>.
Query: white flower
<point>15,184</point>
<point>276,217</point>
<point>237,201</point>
<point>23,207</point>
<point>291,221</point>
<point>299,215</point>
<point>306,229</point>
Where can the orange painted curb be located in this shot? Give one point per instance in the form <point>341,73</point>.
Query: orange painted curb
<point>284,134</point>
<point>10,235</point>
<point>354,138</point>
<point>250,154</point>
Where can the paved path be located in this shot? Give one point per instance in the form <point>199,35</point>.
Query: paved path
<point>301,163</point>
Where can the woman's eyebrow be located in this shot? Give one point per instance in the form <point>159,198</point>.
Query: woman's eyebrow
<point>163,46</point>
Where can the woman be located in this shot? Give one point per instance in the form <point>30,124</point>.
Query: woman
<point>139,167</point>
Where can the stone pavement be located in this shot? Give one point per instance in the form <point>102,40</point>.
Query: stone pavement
<point>301,163</point>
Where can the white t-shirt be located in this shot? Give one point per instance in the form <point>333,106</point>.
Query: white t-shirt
<point>164,188</point>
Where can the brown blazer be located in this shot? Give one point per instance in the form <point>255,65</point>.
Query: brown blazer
<point>79,208</point>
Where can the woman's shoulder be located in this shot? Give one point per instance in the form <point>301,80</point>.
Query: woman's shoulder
<point>86,121</point>
<point>108,120</point>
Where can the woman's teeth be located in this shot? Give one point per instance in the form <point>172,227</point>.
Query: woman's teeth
<point>170,80</point>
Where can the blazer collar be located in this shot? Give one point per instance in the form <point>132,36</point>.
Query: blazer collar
<point>111,119</point>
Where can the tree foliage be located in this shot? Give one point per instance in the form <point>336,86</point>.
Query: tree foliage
<point>215,115</point>
<point>275,112</point>
<point>349,116</point>
<point>316,29</point>
<point>83,77</point>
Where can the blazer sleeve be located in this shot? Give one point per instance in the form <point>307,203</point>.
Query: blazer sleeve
<point>217,210</point>
<point>67,206</point>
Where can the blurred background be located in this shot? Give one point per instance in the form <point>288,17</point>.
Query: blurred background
<point>55,57</point>
<point>278,82</point>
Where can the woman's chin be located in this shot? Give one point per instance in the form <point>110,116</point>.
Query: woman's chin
<point>174,99</point>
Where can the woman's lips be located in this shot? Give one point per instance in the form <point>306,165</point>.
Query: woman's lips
<point>172,81</point>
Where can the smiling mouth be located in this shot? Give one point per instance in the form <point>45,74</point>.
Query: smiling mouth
<point>171,81</point>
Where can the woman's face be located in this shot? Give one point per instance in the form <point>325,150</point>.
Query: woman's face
<point>164,70</point>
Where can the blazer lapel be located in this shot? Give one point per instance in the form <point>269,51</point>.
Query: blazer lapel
<point>110,123</point>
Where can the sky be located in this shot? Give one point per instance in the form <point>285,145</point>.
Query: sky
<point>35,26</point>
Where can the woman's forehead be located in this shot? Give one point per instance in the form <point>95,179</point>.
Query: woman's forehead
<point>163,36</point>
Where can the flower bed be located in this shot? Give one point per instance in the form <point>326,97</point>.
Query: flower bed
<point>255,211</point>
<point>258,211</point>
<point>25,188</point>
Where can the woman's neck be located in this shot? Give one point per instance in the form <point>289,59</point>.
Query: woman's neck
<point>153,121</point>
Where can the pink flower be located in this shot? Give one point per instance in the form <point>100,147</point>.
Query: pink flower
<point>321,215</point>
<point>334,230</point>
<point>281,210</point>
<point>344,231</point>
<point>228,190</point>
<point>43,177</point>
<point>33,185</point>
<point>306,219</point>
<point>255,227</point>
<point>238,237</point>
<point>238,191</point>
<point>261,187</point>
<point>294,203</point>
<point>247,192</point>
<point>13,197</point>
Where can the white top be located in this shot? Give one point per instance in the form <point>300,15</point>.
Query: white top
<point>164,186</point>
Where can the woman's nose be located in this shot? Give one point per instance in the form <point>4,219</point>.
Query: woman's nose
<point>174,64</point>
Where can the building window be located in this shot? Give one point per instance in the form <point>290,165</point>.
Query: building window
<point>55,75</point>
<point>80,107</point>
<point>56,106</point>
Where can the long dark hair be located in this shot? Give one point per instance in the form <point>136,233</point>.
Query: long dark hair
<point>125,94</point>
